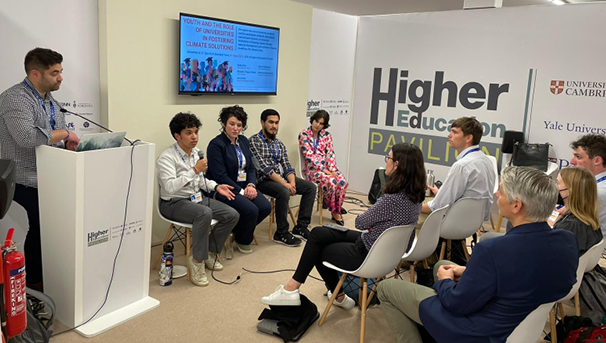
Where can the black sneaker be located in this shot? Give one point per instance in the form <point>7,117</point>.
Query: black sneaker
<point>287,239</point>
<point>301,232</point>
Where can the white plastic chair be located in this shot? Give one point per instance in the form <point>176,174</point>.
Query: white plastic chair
<point>495,169</point>
<point>319,192</point>
<point>383,257</point>
<point>586,263</point>
<point>424,244</point>
<point>176,231</point>
<point>462,220</point>
<point>530,329</point>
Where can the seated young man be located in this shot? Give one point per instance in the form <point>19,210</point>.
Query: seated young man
<point>506,278</point>
<point>183,190</point>
<point>276,177</point>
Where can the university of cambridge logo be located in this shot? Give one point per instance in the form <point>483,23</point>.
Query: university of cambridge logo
<point>557,87</point>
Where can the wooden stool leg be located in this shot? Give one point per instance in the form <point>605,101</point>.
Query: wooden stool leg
<point>552,323</point>
<point>332,299</point>
<point>442,251</point>
<point>463,242</point>
<point>577,304</point>
<point>499,220</point>
<point>168,232</point>
<point>364,306</point>
<point>449,244</point>
<point>188,249</point>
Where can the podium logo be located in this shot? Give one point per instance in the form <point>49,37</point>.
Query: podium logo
<point>98,237</point>
<point>556,87</point>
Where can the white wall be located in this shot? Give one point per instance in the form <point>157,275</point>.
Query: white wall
<point>68,27</point>
<point>139,63</point>
<point>331,73</point>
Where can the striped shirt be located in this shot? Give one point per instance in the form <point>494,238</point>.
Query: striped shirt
<point>389,210</point>
<point>24,125</point>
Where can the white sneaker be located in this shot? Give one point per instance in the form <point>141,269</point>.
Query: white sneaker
<point>213,263</point>
<point>282,297</point>
<point>197,273</point>
<point>347,303</point>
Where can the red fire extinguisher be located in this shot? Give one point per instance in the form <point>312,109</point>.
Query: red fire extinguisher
<point>15,301</point>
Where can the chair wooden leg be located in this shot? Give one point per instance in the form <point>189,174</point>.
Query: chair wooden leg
<point>425,264</point>
<point>577,304</point>
<point>552,324</point>
<point>463,242</point>
<point>561,310</point>
<point>255,239</point>
<point>442,251</point>
<point>188,249</point>
<point>492,223</point>
<point>364,306</point>
<point>412,272</point>
<point>499,220</point>
<point>332,299</point>
<point>320,200</point>
<point>168,232</point>
<point>272,217</point>
<point>449,245</point>
<point>373,291</point>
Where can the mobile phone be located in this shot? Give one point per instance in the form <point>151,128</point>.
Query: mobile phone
<point>438,184</point>
<point>336,227</point>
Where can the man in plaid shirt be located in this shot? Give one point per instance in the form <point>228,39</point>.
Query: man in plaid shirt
<point>30,116</point>
<point>276,177</point>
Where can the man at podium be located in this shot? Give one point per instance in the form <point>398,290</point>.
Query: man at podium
<point>29,117</point>
<point>181,170</point>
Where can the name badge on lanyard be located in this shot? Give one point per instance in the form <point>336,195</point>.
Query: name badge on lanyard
<point>51,118</point>
<point>241,172</point>
<point>196,197</point>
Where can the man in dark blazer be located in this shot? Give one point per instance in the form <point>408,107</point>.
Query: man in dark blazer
<point>506,278</point>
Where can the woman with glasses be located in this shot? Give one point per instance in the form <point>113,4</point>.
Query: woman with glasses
<point>320,165</point>
<point>400,205</point>
<point>230,162</point>
<point>578,189</point>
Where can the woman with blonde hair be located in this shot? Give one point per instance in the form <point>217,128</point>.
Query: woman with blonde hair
<point>578,188</point>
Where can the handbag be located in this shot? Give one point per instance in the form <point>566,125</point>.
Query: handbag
<point>531,155</point>
<point>376,188</point>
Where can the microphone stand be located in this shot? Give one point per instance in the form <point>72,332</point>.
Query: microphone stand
<point>63,110</point>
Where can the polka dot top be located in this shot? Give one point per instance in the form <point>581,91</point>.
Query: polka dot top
<point>389,210</point>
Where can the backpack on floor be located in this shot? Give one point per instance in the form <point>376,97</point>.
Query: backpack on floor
<point>351,287</point>
<point>593,294</point>
<point>594,334</point>
<point>40,315</point>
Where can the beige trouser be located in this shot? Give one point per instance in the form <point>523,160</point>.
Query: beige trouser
<point>400,302</point>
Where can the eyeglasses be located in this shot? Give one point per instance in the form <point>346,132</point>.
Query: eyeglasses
<point>388,158</point>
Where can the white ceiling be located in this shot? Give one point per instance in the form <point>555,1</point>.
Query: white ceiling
<point>376,7</point>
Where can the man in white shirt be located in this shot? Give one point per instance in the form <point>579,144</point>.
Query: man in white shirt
<point>183,193</point>
<point>472,175</point>
<point>589,152</point>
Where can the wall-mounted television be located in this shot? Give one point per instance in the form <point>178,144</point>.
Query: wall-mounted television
<point>218,56</point>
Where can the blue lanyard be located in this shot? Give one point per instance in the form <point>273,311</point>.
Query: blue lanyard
<point>472,150</point>
<point>51,119</point>
<point>601,179</point>
<point>316,143</point>
<point>240,156</point>
<point>276,157</point>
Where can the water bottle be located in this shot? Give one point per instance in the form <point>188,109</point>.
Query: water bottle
<point>166,266</point>
<point>431,179</point>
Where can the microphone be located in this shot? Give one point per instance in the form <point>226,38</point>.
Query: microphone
<point>63,110</point>
<point>201,154</point>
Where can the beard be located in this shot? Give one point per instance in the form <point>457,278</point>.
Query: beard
<point>268,135</point>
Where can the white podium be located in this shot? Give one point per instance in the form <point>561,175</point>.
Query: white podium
<point>82,198</point>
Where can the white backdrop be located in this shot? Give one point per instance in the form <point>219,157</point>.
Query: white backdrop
<point>331,66</point>
<point>495,61</point>
<point>68,27</point>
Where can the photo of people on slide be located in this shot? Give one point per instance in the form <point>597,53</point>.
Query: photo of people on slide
<point>210,77</point>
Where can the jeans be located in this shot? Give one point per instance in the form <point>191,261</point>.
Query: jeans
<point>28,198</point>
<point>252,212</point>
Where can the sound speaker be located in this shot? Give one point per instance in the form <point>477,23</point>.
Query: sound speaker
<point>509,138</point>
<point>8,173</point>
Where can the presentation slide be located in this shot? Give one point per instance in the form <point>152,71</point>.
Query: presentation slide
<point>221,56</point>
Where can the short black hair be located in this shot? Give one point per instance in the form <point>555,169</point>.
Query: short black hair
<point>41,59</point>
<point>233,111</point>
<point>183,121</point>
<point>269,112</point>
<point>593,144</point>
<point>470,126</point>
<point>320,114</point>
